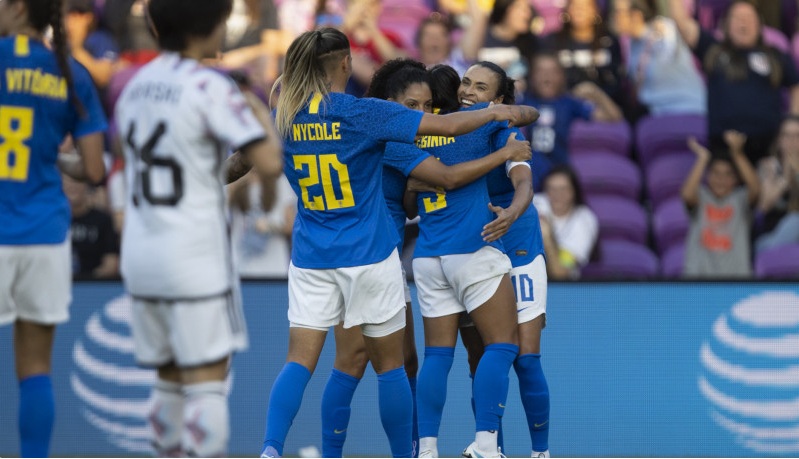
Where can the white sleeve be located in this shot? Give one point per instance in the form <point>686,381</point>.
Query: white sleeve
<point>511,164</point>
<point>581,242</point>
<point>228,116</point>
<point>541,204</point>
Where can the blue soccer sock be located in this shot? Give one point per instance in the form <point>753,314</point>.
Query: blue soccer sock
<point>284,403</point>
<point>432,391</point>
<point>500,436</point>
<point>491,384</point>
<point>36,415</point>
<point>535,398</point>
<point>396,412</point>
<point>412,382</point>
<point>336,400</point>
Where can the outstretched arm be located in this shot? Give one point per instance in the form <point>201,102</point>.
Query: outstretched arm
<point>688,27</point>
<point>460,123</point>
<point>439,174</point>
<point>690,189</point>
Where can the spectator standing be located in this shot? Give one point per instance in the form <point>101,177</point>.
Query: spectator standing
<point>263,216</point>
<point>779,196</point>
<point>718,239</point>
<point>660,66</point>
<point>587,49</point>
<point>745,77</point>
<point>95,244</point>
<point>127,21</point>
<point>435,44</point>
<point>559,109</point>
<point>509,41</point>
<point>569,228</point>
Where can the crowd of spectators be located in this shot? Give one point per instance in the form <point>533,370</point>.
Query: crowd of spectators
<point>585,64</point>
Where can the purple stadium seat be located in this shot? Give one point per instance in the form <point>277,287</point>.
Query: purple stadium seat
<point>665,176</point>
<point>622,259</point>
<point>672,262</point>
<point>777,39</point>
<point>778,263</point>
<point>655,136</point>
<point>620,218</point>
<point>670,224</point>
<point>593,136</point>
<point>603,173</point>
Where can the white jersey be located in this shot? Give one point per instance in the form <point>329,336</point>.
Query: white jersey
<point>177,120</point>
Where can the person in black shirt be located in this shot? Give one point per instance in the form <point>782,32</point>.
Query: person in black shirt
<point>95,247</point>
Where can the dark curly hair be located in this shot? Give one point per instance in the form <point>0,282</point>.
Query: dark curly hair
<point>394,78</point>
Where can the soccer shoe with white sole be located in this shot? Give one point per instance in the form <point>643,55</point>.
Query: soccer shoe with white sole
<point>270,451</point>
<point>428,453</point>
<point>540,454</point>
<point>472,451</point>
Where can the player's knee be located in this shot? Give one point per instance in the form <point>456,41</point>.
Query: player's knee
<point>411,363</point>
<point>352,363</point>
<point>206,424</point>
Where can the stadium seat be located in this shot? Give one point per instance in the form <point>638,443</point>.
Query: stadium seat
<point>621,260</point>
<point>777,39</point>
<point>620,218</point>
<point>603,173</point>
<point>778,263</point>
<point>656,136</point>
<point>592,136</point>
<point>670,224</point>
<point>671,265</point>
<point>666,175</point>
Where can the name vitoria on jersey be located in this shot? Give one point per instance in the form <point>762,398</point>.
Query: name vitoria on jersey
<point>36,113</point>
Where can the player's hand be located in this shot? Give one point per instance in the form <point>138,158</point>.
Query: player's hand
<point>419,186</point>
<point>515,115</point>
<point>500,226</point>
<point>699,150</point>
<point>518,150</point>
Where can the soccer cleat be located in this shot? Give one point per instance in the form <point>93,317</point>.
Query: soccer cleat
<point>270,451</point>
<point>540,454</point>
<point>472,451</point>
<point>428,453</point>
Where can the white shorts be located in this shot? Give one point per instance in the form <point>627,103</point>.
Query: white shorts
<point>407,288</point>
<point>35,282</point>
<point>188,332</point>
<point>366,295</point>
<point>530,285</point>
<point>455,283</point>
<point>531,299</point>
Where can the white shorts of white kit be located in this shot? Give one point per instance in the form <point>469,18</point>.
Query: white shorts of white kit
<point>371,296</point>
<point>451,284</point>
<point>530,286</point>
<point>35,283</point>
<point>189,332</point>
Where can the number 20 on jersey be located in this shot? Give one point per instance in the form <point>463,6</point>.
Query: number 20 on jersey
<point>320,169</point>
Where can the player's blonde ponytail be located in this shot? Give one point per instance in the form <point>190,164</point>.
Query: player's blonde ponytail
<point>304,75</point>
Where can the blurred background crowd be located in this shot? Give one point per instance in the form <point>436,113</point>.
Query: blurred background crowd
<point>667,147</point>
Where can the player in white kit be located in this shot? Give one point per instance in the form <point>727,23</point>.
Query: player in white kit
<point>177,120</point>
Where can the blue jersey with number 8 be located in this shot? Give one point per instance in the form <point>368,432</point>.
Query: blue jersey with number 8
<point>36,114</point>
<point>334,161</point>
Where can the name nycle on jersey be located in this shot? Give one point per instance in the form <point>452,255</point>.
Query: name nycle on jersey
<point>177,120</point>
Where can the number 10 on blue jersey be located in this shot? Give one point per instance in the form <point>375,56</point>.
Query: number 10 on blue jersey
<point>320,169</point>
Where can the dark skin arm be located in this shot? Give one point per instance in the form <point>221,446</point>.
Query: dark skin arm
<point>522,179</point>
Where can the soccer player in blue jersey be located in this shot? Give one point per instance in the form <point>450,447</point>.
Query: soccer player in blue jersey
<point>406,82</point>
<point>44,96</point>
<point>511,196</point>
<point>456,270</point>
<point>345,265</point>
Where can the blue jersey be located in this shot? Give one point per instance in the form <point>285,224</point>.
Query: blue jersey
<point>36,114</point>
<point>523,241</point>
<point>334,159</point>
<point>451,223</point>
<point>399,161</point>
